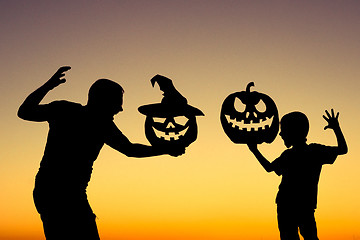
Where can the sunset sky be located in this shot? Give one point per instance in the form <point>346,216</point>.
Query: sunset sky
<point>304,54</point>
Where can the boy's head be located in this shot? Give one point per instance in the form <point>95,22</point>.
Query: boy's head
<point>294,128</point>
<point>106,97</point>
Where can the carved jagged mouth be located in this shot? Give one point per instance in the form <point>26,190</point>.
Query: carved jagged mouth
<point>262,125</point>
<point>170,136</point>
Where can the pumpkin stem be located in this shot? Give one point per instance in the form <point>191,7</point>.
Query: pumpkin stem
<point>251,84</point>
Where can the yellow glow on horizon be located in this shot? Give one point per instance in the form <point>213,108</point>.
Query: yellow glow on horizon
<point>304,55</point>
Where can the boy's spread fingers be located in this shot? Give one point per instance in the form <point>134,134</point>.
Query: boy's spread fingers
<point>327,113</point>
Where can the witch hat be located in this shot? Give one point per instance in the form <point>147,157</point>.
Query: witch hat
<point>172,104</point>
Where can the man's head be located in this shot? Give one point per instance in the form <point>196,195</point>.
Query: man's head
<point>105,97</point>
<point>294,128</point>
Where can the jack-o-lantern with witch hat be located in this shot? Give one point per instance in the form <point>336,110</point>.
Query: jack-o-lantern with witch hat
<point>171,123</point>
<point>249,117</point>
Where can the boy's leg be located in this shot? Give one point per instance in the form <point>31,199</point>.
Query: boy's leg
<point>307,225</point>
<point>287,224</point>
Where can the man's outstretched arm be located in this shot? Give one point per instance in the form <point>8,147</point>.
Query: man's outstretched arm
<point>31,109</point>
<point>121,143</point>
<point>333,123</point>
<point>140,150</point>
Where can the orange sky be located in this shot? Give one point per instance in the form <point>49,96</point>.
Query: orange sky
<point>304,54</point>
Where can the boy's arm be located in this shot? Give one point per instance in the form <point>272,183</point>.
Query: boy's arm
<point>262,160</point>
<point>31,109</point>
<point>333,123</point>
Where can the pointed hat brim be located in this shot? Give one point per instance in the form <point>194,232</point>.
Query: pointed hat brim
<point>166,110</point>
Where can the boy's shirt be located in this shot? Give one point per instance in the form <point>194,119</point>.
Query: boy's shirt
<point>300,170</point>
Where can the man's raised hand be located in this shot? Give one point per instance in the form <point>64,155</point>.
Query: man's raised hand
<point>57,78</point>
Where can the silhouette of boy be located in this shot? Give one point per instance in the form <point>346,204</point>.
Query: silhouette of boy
<point>76,135</point>
<point>300,166</point>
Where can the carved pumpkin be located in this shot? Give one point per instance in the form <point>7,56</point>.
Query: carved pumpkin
<point>249,117</point>
<point>171,123</point>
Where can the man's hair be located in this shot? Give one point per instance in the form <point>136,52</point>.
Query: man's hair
<point>104,90</point>
<point>297,123</point>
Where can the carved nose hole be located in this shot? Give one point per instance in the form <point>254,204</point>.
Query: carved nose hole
<point>251,114</point>
<point>170,125</point>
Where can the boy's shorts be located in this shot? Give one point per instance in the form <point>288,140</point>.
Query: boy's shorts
<point>291,220</point>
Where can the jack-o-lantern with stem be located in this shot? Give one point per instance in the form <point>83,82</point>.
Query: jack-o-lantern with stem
<point>249,117</point>
<point>171,123</point>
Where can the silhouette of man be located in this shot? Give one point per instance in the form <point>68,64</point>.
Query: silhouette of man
<point>76,135</point>
<point>300,166</point>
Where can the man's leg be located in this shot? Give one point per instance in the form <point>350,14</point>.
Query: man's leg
<point>54,227</point>
<point>66,217</point>
<point>70,227</point>
<point>82,223</point>
<point>84,227</point>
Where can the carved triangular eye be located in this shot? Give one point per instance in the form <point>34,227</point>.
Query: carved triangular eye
<point>239,106</point>
<point>261,107</point>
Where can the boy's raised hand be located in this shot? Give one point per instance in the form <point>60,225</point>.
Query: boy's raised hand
<point>57,78</point>
<point>332,119</point>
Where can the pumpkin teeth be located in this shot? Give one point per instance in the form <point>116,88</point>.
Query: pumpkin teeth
<point>241,125</point>
<point>170,136</point>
